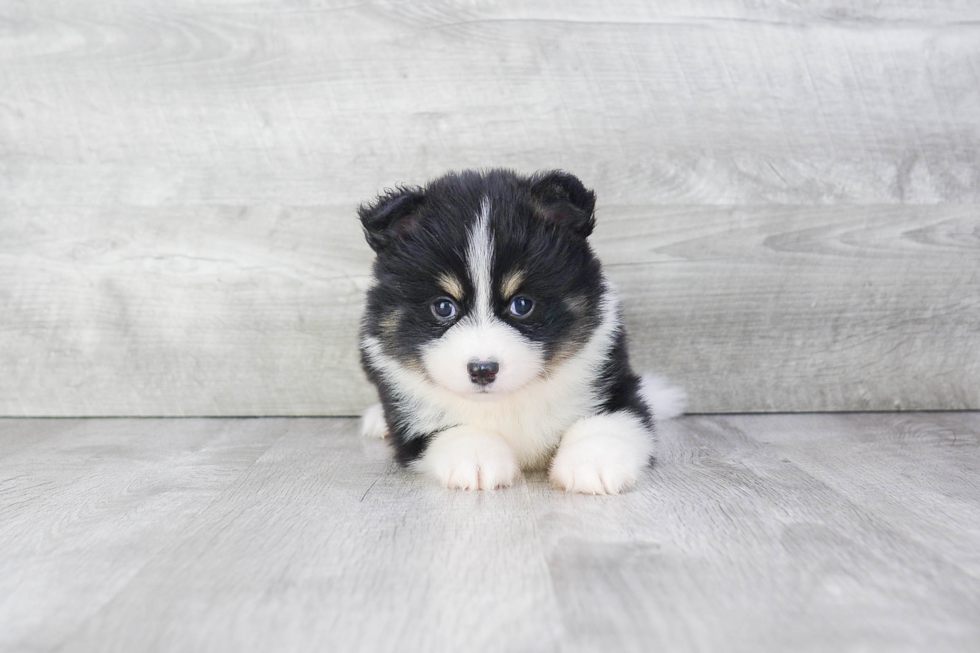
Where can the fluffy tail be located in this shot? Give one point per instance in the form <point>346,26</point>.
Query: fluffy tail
<point>666,401</point>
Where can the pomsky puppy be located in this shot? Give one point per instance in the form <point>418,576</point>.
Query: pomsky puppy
<point>496,342</point>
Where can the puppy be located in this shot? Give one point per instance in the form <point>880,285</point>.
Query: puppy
<point>496,342</point>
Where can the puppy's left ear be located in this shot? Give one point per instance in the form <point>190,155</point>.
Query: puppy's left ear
<point>391,216</point>
<point>562,200</point>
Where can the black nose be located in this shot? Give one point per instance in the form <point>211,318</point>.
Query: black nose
<point>483,372</point>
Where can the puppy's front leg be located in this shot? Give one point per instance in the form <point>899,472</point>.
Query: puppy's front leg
<point>602,454</point>
<point>464,458</point>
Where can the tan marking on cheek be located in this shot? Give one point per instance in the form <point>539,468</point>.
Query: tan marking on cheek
<point>451,285</point>
<point>576,335</point>
<point>577,305</point>
<point>414,365</point>
<point>562,354</point>
<point>511,282</point>
<point>389,323</point>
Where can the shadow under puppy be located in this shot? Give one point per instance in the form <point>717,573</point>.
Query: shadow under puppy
<point>496,342</point>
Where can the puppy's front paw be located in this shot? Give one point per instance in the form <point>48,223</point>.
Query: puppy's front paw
<point>602,455</point>
<point>590,467</point>
<point>470,460</point>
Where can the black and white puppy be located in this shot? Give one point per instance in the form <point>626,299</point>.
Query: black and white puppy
<point>496,342</point>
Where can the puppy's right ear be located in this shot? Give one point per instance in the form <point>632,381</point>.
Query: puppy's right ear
<point>391,216</point>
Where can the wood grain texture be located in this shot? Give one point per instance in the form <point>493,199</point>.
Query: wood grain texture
<point>85,505</point>
<point>252,102</point>
<point>254,311</point>
<point>331,549</point>
<point>804,309</point>
<point>250,311</point>
<point>733,547</point>
<point>881,461</point>
<point>752,533</point>
<point>178,179</point>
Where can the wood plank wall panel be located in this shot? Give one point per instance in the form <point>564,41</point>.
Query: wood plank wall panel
<point>787,193</point>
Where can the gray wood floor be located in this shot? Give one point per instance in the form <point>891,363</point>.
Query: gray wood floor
<point>753,533</point>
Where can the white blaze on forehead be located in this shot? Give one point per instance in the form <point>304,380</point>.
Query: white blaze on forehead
<point>479,259</point>
<point>481,336</point>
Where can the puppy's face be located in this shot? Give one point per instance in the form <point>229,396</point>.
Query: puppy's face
<point>485,282</point>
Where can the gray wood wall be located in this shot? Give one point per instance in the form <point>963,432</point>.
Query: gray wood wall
<point>788,191</point>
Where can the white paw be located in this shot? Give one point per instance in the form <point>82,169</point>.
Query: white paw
<point>469,460</point>
<point>603,454</point>
<point>373,423</point>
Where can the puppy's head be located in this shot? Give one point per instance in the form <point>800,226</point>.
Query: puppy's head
<point>484,281</point>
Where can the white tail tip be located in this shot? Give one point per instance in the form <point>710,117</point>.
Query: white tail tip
<point>666,401</point>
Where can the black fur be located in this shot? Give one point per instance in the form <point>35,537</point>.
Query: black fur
<point>540,224</point>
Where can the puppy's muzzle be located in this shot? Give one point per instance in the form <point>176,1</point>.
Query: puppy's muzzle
<point>483,372</point>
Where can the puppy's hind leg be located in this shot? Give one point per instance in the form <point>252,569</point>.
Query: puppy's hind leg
<point>373,423</point>
<point>602,454</point>
<point>665,400</point>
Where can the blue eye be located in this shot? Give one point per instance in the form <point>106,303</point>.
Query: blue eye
<point>444,309</point>
<point>521,306</point>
